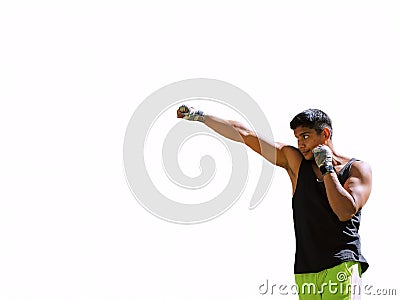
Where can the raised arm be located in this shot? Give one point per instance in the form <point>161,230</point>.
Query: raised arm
<point>275,153</point>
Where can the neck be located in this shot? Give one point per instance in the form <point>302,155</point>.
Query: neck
<point>337,159</point>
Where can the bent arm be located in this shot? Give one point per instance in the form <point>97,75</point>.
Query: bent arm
<point>349,199</point>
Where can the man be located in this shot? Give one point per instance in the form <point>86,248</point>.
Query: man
<point>329,191</point>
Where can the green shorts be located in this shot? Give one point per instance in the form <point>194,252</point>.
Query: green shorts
<point>342,282</point>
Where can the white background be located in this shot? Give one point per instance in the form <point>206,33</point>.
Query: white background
<point>72,74</point>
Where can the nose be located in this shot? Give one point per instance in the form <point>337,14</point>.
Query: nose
<point>300,145</point>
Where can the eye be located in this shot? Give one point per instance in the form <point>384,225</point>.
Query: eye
<point>306,136</point>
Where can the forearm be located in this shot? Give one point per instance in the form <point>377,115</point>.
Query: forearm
<point>229,129</point>
<point>341,202</point>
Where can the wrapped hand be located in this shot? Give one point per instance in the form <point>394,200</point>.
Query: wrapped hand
<point>323,158</point>
<point>190,114</point>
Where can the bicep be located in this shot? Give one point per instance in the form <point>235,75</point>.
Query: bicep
<point>359,184</point>
<point>279,154</point>
<point>285,156</point>
<point>267,149</point>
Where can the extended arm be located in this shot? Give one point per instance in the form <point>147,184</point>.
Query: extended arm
<point>275,153</point>
<point>236,131</point>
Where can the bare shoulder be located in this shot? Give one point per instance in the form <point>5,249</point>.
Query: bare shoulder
<point>292,153</point>
<point>359,184</point>
<point>361,169</point>
<point>293,158</point>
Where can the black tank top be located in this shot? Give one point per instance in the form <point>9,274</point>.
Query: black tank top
<point>322,240</point>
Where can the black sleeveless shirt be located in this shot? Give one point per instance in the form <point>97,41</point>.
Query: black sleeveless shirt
<point>322,240</point>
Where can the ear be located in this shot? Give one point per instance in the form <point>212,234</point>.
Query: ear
<point>326,133</point>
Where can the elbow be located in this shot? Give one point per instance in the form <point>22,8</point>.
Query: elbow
<point>345,218</point>
<point>347,215</point>
<point>240,133</point>
<point>251,140</point>
<point>347,211</point>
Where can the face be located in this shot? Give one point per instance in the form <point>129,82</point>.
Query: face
<point>308,139</point>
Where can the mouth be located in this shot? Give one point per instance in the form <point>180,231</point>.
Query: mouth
<point>305,153</point>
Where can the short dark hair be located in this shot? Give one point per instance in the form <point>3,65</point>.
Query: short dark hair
<point>312,118</point>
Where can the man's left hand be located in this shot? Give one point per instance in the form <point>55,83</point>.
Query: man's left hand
<point>323,156</point>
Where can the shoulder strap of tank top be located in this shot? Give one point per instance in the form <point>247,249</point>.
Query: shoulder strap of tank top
<point>344,173</point>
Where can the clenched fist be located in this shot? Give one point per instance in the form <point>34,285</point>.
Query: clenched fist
<point>189,113</point>
<point>323,158</point>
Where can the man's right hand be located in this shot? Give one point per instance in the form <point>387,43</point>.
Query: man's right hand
<point>190,114</point>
